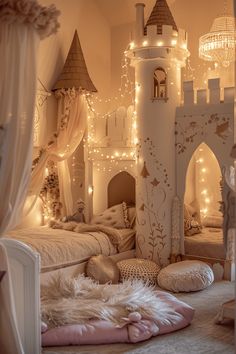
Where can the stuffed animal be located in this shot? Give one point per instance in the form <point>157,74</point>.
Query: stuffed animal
<point>78,216</point>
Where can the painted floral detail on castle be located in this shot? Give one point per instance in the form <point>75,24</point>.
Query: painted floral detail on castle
<point>158,165</point>
<point>156,237</point>
<point>185,135</point>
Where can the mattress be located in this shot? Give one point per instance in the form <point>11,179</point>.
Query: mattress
<point>209,243</point>
<point>60,248</point>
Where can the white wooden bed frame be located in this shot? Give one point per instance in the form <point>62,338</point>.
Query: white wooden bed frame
<point>26,278</point>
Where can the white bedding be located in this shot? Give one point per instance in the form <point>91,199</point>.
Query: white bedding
<point>59,248</point>
<point>208,243</point>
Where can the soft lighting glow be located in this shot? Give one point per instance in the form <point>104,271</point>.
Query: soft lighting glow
<point>173,42</point>
<point>203,169</point>
<point>145,43</point>
<point>131,45</point>
<point>219,44</point>
<point>90,190</point>
<point>159,43</point>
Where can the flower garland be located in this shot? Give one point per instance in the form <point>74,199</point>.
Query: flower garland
<point>43,19</point>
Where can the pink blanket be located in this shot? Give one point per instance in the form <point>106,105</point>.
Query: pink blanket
<point>175,315</point>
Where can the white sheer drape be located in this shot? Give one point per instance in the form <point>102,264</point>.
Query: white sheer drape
<point>18,46</point>
<point>71,127</point>
<point>22,23</point>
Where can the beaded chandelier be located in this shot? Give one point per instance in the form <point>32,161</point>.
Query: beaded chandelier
<point>219,44</point>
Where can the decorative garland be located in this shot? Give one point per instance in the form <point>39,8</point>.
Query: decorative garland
<point>29,12</point>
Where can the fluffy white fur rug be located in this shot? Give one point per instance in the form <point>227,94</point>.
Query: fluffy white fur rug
<point>71,301</point>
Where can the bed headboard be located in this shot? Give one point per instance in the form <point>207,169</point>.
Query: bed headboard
<point>121,188</point>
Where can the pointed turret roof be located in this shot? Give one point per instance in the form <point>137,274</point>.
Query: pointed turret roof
<point>160,16</point>
<point>75,73</point>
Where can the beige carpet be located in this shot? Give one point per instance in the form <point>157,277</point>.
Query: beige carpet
<point>201,337</point>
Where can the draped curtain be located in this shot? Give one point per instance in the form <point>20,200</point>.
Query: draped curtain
<point>70,131</point>
<point>22,24</point>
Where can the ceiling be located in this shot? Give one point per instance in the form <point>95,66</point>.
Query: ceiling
<point>118,12</point>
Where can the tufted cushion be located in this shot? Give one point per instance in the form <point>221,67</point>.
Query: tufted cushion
<point>137,268</point>
<point>116,216</point>
<point>185,276</point>
<point>102,269</point>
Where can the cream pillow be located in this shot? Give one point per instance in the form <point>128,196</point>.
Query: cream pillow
<point>186,276</point>
<point>132,216</point>
<point>193,209</point>
<point>102,269</point>
<point>213,221</point>
<point>116,216</point>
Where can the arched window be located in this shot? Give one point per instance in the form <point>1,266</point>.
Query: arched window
<point>160,84</point>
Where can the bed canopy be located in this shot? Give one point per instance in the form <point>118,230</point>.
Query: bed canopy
<point>21,27</point>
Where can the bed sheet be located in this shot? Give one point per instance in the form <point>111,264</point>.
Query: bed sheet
<point>208,243</point>
<point>61,248</point>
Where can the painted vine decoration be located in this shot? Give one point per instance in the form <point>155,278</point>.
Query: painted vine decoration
<point>186,135</point>
<point>156,237</point>
<point>156,183</point>
<point>159,166</point>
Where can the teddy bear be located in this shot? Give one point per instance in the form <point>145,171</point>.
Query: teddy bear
<point>78,216</point>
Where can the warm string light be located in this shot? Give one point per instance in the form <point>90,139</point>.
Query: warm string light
<point>109,167</point>
<point>200,73</point>
<point>204,193</point>
<point>95,143</point>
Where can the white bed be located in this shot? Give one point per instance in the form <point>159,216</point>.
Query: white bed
<point>209,243</point>
<point>30,269</point>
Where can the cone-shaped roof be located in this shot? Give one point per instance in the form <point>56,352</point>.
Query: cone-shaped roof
<point>160,16</point>
<point>75,73</point>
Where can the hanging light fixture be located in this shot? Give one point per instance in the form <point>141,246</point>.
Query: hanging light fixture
<point>219,44</point>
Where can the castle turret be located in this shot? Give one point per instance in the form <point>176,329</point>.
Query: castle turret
<point>158,52</point>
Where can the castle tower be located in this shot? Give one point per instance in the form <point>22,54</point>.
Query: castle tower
<point>158,52</point>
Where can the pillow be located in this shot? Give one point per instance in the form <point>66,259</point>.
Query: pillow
<point>116,216</point>
<point>191,227</point>
<point>127,240</point>
<point>132,216</point>
<point>213,221</point>
<point>102,269</point>
<point>185,276</point>
<point>194,210</point>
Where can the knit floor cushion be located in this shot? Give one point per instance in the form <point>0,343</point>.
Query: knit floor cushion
<point>185,276</point>
<point>137,268</point>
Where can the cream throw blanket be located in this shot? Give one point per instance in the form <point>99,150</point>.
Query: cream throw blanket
<point>113,234</point>
<point>78,300</point>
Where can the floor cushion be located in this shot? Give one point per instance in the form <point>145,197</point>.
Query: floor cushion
<point>185,276</point>
<point>102,269</point>
<point>174,315</point>
<point>137,268</point>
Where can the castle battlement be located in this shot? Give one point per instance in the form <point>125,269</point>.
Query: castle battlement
<point>169,38</point>
<point>157,39</point>
<point>214,94</point>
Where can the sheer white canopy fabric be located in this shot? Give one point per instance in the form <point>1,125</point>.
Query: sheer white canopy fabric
<point>18,45</point>
<point>71,127</point>
<point>22,23</point>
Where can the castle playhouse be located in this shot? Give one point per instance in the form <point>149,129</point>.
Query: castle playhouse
<point>169,133</point>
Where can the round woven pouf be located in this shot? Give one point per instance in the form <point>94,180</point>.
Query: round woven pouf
<point>186,276</point>
<point>137,268</point>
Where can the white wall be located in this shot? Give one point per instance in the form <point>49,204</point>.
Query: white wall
<point>94,34</point>
<point>196,17</point>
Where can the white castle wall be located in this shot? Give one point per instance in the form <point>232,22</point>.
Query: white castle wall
<point>155,127</point>
<point>111,152</point>
<point>203,117</point>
